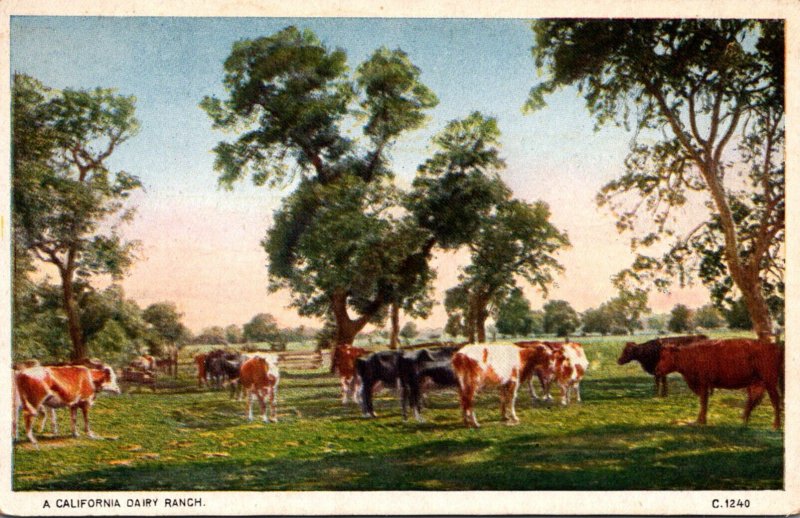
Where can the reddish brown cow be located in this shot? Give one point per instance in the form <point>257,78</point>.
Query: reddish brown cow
<point>503,365</point>
<point>200,363</point>
<point>259,378</point>
<point>62,386</point>
<point>344,362</point>
<point>728,364</point>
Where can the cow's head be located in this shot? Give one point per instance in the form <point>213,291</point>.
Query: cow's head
<point>105,379</point>
<point>627,353</point>
<point>667,360</point>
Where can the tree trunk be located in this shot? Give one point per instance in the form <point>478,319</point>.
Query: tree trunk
<point>73,319</point>
<point>480,320</point>
<point>395,331</point>
<point>346,328</point>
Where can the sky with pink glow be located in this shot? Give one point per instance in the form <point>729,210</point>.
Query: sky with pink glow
<point>200,244</point>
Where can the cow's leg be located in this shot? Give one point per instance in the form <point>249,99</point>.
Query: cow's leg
<point>29,418</point>
<point>532,391</point>
<point>578,391</point>
<point>405,396</point>
<point>467,395</point>
<point>774,398</point>
<point>356,389</point>
<point>564,393</point>
<point>43,415</point>
<point>273,404</point>
<point>755,393</point>
<point>89,432</point>
<point>72,418</point>
<point>701,417</point>
<point>262,401</point>
<point>547,383</point>
<point>511,395</point>
<point>345,389</point>
<point>250,396</point>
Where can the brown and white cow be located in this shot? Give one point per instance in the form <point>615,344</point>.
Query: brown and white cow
<point>259,378</point>
<point>728,364</point>
<point>503,365</point>
<point>569,365</point>
<point>343,361</point>
<point>17,402</point>
<point>70,386</point>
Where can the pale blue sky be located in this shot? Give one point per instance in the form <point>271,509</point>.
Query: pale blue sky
<point>201,244</point>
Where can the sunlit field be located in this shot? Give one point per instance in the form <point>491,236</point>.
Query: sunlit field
<point>620,437</point>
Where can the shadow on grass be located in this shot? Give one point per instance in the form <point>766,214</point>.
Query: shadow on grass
<point>593,458</point>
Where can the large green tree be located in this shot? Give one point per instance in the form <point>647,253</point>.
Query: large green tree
<point>705,101</point>
<point>67,203</point>
<point>346,242</point>
<point>516,241</point>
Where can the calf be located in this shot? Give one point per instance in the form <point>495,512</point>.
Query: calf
<point>223,367</point>
<point>259,378</point>
<point>344,362</point>
<point>379,367</point>
<point>648,354</point>
<point>415,368</point>
<point>729,364</point>
<point>62,386</point>
<point>503,365</point>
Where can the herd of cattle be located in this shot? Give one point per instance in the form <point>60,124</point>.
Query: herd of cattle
<point>704,364</point>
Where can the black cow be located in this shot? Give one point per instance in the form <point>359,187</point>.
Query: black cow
<point>417,367</point>
<point>377,367</point>
<point>224,366</point>
<point>648,354</point>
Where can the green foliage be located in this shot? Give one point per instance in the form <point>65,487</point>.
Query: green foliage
<point>696,92</point>
<point>213,335</point>
<point>409,331</point>
<point>113,344</point>
<point>560,318</point>
<point>514,315</point>
<point>737,316</point>
<point>166,322</point>
<point>261,328</point>
<point>234,334</point>
<point>707,317</point>
<point>67,204</point>
<point>680,319</point>
<point>597,320</point>
<point>458,186</point>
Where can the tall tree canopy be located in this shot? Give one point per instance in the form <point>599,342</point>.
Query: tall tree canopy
<point>67,204</point>
<point>706,103</point>
<point>515,241</point>
<point>346,240</point>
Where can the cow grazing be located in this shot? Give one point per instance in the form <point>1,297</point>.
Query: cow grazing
<point>200,363</point>
<point>379,367</point>
<point>223,367</point>
<point>344,362</point>
<point>569,365</point>
<point>648,354</point>
<point>416,368</point>
<point>259,378</point>
<point>544,373</point>
<point>503,365</point>
<point>728,364</point>
<point>70,386</point>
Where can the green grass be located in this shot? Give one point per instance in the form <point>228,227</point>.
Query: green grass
<point>620,437</point>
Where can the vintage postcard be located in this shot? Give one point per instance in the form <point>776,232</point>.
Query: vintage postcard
<point>396,258</point>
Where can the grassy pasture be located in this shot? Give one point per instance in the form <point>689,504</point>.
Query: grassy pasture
<point>620,437</point>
